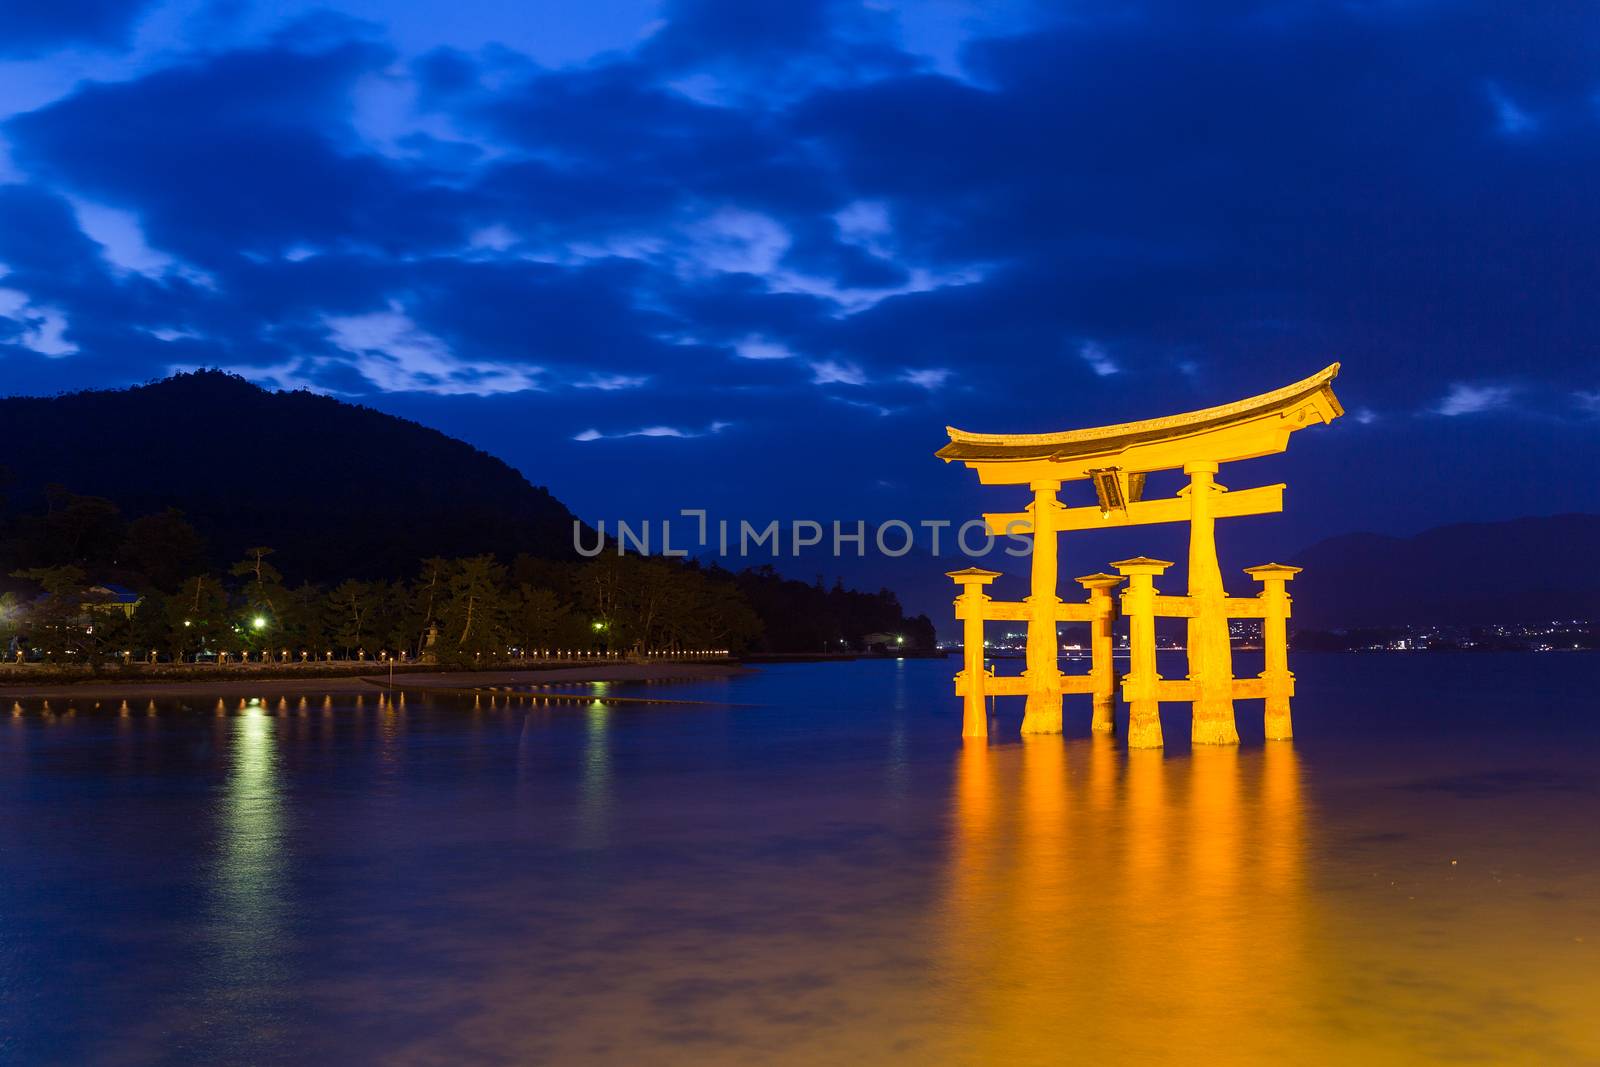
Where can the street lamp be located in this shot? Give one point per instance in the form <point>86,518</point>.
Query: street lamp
<point>259,622</point>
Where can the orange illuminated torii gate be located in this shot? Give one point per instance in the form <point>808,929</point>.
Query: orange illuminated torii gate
<point>1117,459</point>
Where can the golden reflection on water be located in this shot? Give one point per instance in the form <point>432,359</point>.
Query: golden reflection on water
<point>1138,904</point>
<point>1038,902</point>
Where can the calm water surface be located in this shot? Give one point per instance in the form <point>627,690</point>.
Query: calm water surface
<point>826,875</point>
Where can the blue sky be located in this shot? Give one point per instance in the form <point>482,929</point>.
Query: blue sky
<point>754,257</point>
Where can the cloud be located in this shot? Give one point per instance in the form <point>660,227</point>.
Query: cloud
<point>1465,398</point>
<point>1510,119</point>
<point>929,378</point>
<point>120,237</point>
<point>756,347</point>
<point>833,372</point>
<point>1099,360</point>
<point>608,383</point>
<point>736,241</point>
<point>251,151</point>
<point>29,28</point>
<point>781,212</point>
<point>41,329</point>
<point>651,431</point>
<point>865,224</point>
<point>391,352</point>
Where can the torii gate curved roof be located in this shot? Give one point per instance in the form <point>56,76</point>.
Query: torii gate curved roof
<point>1244,429</point>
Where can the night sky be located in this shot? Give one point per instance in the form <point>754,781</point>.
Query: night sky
<point>755,256</point>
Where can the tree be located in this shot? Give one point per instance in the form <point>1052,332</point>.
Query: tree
<point>352,603</point>
<point>150,628</point>
<point>197,617</point>
<point>265,584</point>
<point>429,590</point>
<point>538,618</point>
<point>164,548</point>
<point>107,629</point>
<point>80,530</point>
<point>474,608</point>
<point>10,622</point>
<point>55,620</point>
<point>393,616</point>
<point>83,529</point>
<point>305,623</point>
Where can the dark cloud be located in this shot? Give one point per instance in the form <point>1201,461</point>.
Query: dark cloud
<point>251,152</point>
<point>29,29</point>
<point>770,220</point>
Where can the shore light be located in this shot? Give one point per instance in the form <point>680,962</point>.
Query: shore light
<point>259,622</point>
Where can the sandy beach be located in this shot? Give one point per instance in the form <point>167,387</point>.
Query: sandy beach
<point>373,681</point>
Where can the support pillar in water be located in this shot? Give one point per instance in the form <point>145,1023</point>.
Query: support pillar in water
<point>1104,612</point>
<point>1042,714</point>
<point>1142,685</point>
<point>1210,653</point>
<point>1276,679</point>
<point>969,609</point>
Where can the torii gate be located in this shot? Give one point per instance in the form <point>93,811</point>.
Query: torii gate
<point>1117,458</point>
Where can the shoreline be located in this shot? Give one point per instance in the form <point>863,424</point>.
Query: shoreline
<point>374,682</point>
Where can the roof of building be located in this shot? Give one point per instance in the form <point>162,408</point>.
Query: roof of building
<point>118,594</point>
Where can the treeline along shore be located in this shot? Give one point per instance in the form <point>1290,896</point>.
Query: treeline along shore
<point>88,589</point>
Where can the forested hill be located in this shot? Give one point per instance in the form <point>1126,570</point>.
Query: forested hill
<point>340,491</point>
<point>245,520</point>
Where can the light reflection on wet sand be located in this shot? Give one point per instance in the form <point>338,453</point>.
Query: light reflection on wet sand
<point>425,884</point>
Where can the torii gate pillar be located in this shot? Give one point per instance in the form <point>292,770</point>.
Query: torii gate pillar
<point>1042,715</point>
<point>1103,612</point>
<point>1210,652</point>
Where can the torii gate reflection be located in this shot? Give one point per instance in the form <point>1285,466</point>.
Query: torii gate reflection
<point>1136,908</point>
<point>1117,459</point>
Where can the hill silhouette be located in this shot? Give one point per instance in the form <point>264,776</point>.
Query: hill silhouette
<point>339,490</point>
<point>1521,570</point>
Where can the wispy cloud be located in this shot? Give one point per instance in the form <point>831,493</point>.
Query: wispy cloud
<point>42,329</point>
<point>865,224</point>
<point>1510,118</point>
<point>121,238</point>
<point>758,347</point>
<point>867,405</point>
<point>651,431</point>
<point>833,372</point>
<point>929,378</point>
<point>611,382</point>
<point>396,355</point>
<point>1094,353</point>
<point>735,241</point>
<point>1465,398</point>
